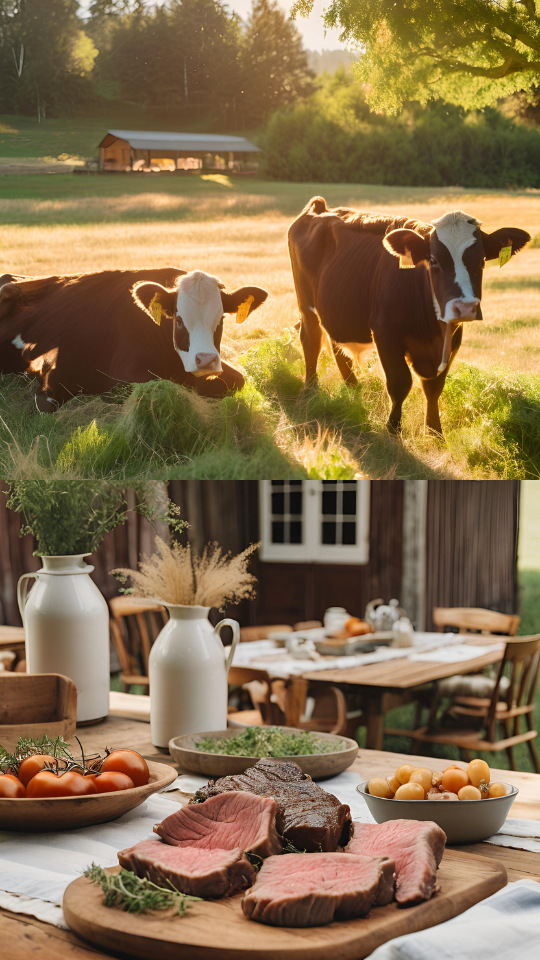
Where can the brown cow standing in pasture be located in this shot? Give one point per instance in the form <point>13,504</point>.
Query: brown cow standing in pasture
<point>349,282</point>
<point>88,332</point>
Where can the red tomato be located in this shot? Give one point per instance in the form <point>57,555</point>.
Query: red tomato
<point>70,784</point>
<point>111,780</point>
<point>11,786</point>
<point>32,765</point>
<point>130,763</point>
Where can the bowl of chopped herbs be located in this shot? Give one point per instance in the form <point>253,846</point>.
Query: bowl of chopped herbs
<point>220,753</point>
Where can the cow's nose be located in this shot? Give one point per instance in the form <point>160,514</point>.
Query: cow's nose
<point>466,309</point>
<point>204,360</point>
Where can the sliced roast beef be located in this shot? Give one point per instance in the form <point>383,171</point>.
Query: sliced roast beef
<point>197,871</point>
<point>416,847</point>
<point>311,889</point>
<point>229,821</point>
<point>307,816</point>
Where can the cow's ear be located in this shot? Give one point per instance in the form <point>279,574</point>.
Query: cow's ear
<point>243,301</point>
<point>505,237</point>
<point>411,247</point>
<point>154,299</point>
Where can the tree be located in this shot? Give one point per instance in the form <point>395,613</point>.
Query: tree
<point>274,62</point>
<point>470,52</point>
<point>45,57</point>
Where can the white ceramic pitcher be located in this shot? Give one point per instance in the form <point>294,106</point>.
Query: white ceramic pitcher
<point>188,669</point>
<point>66,623</point>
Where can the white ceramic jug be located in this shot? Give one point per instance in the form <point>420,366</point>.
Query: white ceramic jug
<point>188,669</point>
<point>66,623</point>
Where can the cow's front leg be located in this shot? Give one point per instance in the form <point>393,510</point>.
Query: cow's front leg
<point>432,391</point>
<point>398,384</point>
<point>311,340</point>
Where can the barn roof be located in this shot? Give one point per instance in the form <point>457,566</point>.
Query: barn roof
<point>196,142</point>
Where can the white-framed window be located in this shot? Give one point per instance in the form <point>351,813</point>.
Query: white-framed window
<point>314,521</point>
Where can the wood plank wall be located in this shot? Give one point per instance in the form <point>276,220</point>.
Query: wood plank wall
<point>471,545</point>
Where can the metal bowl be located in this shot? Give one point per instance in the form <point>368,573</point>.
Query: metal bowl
<point>463,821</point>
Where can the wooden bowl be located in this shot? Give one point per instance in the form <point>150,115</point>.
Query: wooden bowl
<point>319,766</point>
<point>68,813</point>
<point>32,705</point>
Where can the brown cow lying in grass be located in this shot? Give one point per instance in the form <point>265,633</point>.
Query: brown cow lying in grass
<point>346,268</point>
<point>88,332</point>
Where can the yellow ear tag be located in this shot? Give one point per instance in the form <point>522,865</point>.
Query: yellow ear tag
<point>504,254</point>
<point>244,308</point>
<point>155,309</point>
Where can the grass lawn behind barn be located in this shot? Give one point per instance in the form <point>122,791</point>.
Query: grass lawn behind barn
<point>237,230</point>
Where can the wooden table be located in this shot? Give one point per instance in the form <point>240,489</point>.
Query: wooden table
<point>23,937</point>
<point>376,681</point>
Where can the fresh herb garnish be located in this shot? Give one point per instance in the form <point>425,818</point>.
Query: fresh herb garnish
<point>290,848</point>
<point>255,860</point>
<point>135,894</point>
<point>269,742</point>
<point>26,746</point>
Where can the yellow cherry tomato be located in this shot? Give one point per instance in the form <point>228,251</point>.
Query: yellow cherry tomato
<point>403,773</point>
<point>410,791</point>
<point>497,790</point>
<point>423,776</point>
<point>378,787</point>
<point>469,793</point>
<point>394,784</point>
<point>454,779</point>
<point>479,775</point>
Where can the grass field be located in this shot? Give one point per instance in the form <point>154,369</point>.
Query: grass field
<point>491,405</point>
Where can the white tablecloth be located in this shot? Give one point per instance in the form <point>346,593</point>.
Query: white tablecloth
<point>429,647</point>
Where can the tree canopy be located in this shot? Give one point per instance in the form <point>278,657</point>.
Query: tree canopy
<point>470,52</point>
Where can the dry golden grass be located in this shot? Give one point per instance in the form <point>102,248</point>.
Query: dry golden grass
<point>240,235</point>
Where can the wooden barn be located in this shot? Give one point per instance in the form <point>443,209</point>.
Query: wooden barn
<point>140,150</point>
<point>328,543</point>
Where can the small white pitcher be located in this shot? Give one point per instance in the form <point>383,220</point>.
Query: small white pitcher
<point>66,625</point>
<point>188,669</point>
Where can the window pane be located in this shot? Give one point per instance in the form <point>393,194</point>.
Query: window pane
<point>349,502</point>
<point>278,503</point>
<point>277,483</point>
<point>329,503</point>
<point>278,531</point>
<point>295,531</point>
<point>293,483</point>
<point>329,531</point>
<point>295,503</point>
<point>348,533</point>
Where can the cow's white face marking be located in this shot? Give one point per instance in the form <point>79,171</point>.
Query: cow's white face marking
<point>457,231</point>
<point>199,309</point>
<point>18,342</point>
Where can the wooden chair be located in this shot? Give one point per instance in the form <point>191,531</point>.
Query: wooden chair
<point>475,620</point>
<point>134,627</point>
<point>487,715</point>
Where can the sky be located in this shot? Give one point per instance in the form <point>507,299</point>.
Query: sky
<point>311,28</point>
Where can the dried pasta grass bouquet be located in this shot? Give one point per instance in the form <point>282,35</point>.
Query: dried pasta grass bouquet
<point>175,574</point>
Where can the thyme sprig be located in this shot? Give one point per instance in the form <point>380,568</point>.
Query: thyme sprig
<point>26,746</point>
<point>136,894</point>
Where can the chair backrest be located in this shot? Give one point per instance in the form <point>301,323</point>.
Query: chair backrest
<point>135,625</point>
<point>524,656</point>
<point>476,619</point>
<point>248,634</point>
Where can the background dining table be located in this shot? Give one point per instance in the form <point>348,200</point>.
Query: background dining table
<point>383,685</point>
<point>23,937</point>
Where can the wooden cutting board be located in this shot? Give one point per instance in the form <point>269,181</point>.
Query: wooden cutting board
<point>218,930</point>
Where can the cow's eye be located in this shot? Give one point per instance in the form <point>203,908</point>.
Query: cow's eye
<point>433,262</point>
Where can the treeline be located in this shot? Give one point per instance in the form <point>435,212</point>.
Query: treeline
<point>192,57</point>
<point>332,137</point>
